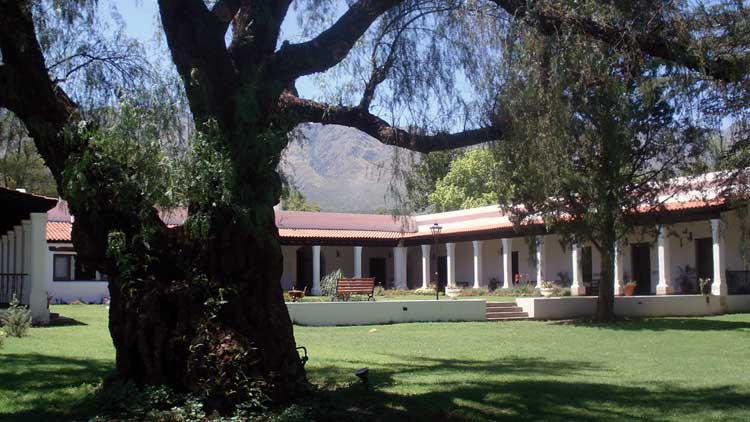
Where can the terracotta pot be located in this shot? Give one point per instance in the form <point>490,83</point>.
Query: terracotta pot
<point>629,289</point>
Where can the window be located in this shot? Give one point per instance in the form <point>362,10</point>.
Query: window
<point>61,267</point>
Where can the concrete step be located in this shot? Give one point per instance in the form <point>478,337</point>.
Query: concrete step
<point>507,314</point>
<point>501,305</point>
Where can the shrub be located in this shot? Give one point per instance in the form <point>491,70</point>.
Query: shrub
<point>493,284</point>
<point>17,319</point>
<point>424,292</point>
<point>473,292</point>
<point>524,290</point>
<point>328,283</point>
<point>2,338</point>
<point>378,291</point>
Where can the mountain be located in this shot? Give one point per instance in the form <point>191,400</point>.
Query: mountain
<point>340,168</point>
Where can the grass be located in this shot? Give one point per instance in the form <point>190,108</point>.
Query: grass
<point>665,369</point>
<point>51,374</point>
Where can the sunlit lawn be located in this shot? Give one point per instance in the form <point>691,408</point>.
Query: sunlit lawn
<point>667,369</point>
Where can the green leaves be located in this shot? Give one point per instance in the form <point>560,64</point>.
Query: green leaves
<point>470,182</point>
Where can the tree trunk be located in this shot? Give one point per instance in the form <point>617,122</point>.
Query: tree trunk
<point>605,304</point>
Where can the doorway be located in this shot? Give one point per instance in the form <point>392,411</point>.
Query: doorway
<point>704,260</point>
<point>641,265</point>
<point>442,272</point>
<point>587,266</point>
<point>377,271</point>
<point>514,266</point>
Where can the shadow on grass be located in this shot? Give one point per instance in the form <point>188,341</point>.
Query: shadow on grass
<point>671,323</point>
<point>42,387</point>
<point>516,389</point>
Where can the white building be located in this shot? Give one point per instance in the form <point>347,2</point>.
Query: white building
<point>23,251</point>
<point>699,236</point>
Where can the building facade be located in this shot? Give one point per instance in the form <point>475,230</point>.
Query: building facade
<point>695,235</point>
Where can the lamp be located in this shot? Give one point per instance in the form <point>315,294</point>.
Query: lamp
<point>435,229</point>
<point>363,375</point>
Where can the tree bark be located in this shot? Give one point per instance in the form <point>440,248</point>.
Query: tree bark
<point>605,303</point>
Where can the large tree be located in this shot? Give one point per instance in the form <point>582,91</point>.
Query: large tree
<point>595,142</point>
<point>199,307</point>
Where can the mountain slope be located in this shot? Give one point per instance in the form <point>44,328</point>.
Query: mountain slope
<point>340,168</point>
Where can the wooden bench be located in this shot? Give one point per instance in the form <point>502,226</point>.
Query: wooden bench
<point>296,295</point>
<point>346,287</point>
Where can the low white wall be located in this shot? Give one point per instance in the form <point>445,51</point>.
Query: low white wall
<point>86,291</point>
<point>636,306</point>
<point>366,313</point>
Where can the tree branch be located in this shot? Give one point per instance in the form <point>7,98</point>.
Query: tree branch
<point>549,20</point>
<point>225,11</point>
<point>302,111</point>
<point>26,88</point>
<point>332,45</point>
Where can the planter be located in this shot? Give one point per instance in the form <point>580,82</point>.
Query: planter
<point>629,290</point>
<point>547,291</point>
<point>453,292</point>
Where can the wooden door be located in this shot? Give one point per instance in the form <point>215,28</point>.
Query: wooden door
<point>442,272</point>
<point>641,265</point>
<point>377,270</point>
<point>704,260</point>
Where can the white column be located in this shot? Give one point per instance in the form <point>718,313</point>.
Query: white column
<point>477,244</point>
<point>3,253</point>
<point>719,284</point>
<point>539,261</point>
<point>357,262</point>
<point>507,276</point>
<point>26,229</point>
<point>619,273</point>
<point>577,288</point>
<point>426,266</point>
<point>38,268</point>
<point>665,271</point>
<point>399,267</point>
<point>19,248</point>
<point>450,249</point>
<point>316,270</point>
<point>12,252</point>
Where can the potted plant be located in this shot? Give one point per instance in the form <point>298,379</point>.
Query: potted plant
<point>630,288</point>
<point>704,285</point>
<point>547,288</point>
<point>452,291</point>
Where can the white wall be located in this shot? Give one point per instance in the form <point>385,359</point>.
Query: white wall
<point>366,313</point>
<point>68,291</point>
<point>289,276</point>
<point>635,306</point>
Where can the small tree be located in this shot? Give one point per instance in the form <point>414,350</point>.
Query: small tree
<point>17,319</point>
<point>593,139</point>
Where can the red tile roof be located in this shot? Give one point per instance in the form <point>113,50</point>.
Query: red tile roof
<point>300,226</point>
<point>338,234</point>
<point>58,231</point>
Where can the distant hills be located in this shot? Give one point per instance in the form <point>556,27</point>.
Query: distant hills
<point>341,169</point>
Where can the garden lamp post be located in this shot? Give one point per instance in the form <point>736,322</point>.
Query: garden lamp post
<point>435,229</point>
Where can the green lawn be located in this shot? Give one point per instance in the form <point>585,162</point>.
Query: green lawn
<point>666,369</point>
